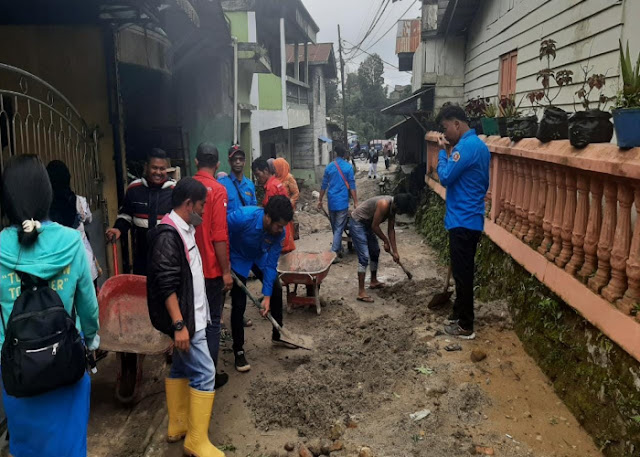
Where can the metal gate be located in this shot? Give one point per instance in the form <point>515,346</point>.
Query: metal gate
<point>35,118</point>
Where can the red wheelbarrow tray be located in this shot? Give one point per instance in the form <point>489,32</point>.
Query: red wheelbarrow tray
<point>124,317</point>
<point>305,267</point>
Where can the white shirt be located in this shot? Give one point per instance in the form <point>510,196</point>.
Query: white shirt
<point>200,304</point>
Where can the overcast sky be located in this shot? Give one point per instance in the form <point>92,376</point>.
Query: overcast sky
<point>354,17</point>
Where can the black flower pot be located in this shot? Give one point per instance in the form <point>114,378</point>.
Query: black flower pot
<point>592,126</point>
<point>502,126</point>
<point>522,127</point>
<point>554,125</point>
<point>476,123</point>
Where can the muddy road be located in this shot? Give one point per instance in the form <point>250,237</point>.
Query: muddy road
<point>379,377</point>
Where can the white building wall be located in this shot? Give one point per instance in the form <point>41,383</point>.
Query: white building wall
<point>586,32</point>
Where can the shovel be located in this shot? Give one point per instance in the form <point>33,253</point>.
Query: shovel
<point>285,335</point>
<point>407,272</point>
<point>442,298</point>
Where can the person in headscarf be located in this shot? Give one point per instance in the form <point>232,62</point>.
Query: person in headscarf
<point>69,209</point>
<point>283,173</point>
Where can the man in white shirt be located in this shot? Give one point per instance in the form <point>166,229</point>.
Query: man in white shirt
<point>178,307</point>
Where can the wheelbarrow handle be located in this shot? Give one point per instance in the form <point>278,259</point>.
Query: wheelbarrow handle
<point>257,304</point>
<point>114,248</point>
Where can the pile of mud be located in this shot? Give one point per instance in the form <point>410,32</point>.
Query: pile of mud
<point>342,379</point>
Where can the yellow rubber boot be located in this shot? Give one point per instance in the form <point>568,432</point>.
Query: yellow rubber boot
<point>197,443</point>
<point>178,405</point>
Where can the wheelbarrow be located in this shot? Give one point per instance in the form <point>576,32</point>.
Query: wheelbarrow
<point>308,269</point>
<point>125,328</point>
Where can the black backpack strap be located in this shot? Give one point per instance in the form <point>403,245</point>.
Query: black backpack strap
<point>239,193</point>
<point>27,280</point>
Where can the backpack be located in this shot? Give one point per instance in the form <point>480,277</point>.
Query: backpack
<point>42,349</point>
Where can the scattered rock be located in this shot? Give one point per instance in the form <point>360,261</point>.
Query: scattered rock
<point>325,447</point>
<point>365,452</point>
<point>351,423</point>
<point>484,450</point>
<point>314,446</point>
<point>289,447</point>
<point>304,452</point>
<point>336,446</point>
<point>419,415</point>
<point>477,355</point>
<point>337,430</point>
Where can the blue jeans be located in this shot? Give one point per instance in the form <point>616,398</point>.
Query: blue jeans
<point>366,244</point>
<point>195,364</point>
<point>338,223</point>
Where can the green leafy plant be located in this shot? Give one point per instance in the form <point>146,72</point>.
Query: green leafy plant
<point>508,107</point>
<point>629,97</point>
<point>490,109</point>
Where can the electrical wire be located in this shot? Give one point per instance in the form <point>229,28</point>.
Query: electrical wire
<point>376,19</point>
<point>386,33</point>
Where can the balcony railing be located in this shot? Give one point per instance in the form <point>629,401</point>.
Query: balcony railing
<point>572,218</point>
<point>298,92</point>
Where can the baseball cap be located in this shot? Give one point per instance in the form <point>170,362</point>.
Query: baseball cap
<point>236,149</point>
<point>205,151</point>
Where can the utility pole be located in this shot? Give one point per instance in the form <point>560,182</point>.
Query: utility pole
<point>345,137</point>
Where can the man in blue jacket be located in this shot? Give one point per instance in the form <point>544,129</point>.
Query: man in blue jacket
<point>255,238</point>
<point>463,168</point>
<point>339,180</point>
<point>240,190</point>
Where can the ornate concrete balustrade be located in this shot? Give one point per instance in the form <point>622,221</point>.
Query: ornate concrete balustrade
<point>571,217</point>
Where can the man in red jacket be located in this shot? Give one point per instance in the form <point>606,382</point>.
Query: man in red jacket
<point>212,238</point>
<point>266,178</point>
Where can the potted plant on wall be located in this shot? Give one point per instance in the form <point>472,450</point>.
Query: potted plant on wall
<point>554,122</point>
<point>593,125</point>
<point>626,116</point>
<point>489,122</point>
<point>475,110</point>
<point>508,111</point>
<point>520,127</point>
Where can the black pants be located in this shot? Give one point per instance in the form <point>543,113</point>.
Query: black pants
<point>239,304</point>
<point>215,297</point>
<point>462,248</point>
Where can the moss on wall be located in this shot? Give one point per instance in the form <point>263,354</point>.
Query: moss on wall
<point>598,381</point>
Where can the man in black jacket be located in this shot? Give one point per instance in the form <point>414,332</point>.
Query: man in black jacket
<point>146,202</point>
<point>178,306</point>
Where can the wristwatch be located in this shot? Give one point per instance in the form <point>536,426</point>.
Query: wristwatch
<point>178,325</point>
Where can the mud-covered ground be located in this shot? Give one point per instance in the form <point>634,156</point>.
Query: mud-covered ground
<point>373,365</point>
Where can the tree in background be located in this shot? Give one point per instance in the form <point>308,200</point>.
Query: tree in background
<point>366,94</point>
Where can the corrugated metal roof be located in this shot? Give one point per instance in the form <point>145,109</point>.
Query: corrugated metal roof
<point>408,36</point>
<point>318,53</point>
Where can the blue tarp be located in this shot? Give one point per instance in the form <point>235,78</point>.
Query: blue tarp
<point>325,139</point>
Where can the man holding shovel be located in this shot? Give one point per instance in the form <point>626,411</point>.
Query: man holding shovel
<point>365,231</point>
<point>255,237</point>
<point>463,168</point>
<point>338,182</point>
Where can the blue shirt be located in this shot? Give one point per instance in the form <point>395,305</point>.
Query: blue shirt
<point>251,245</point>
<point>247,189</point>
<point>338,195</point>
<point>465,174</point>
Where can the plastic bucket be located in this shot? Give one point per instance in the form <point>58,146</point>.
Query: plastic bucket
<point>489,126</point>
<point>627,124</point>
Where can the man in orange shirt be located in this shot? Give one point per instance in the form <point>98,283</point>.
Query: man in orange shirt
<point>212,238</point>
<point>272,185</point>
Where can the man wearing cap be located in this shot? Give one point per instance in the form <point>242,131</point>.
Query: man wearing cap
<point>240,190</point>
<point>212,239</point>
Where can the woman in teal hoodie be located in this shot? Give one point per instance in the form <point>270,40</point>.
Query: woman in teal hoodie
<point>53,424</point>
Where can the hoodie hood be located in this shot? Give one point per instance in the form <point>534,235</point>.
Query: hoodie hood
<point>282,168</point>
<point>54,250</point>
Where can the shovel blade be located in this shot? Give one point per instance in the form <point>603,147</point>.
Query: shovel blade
<point>440,299</point>
<point>296,340</point>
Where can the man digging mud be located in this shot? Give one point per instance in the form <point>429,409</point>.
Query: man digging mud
<point>365,231</point>
<point>463,168</point>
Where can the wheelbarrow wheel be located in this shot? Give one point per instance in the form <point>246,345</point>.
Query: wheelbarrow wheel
<point>289,305</point>
<point>129,377</point>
